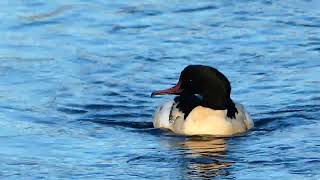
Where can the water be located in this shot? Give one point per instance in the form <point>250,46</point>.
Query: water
<point>76,76</point>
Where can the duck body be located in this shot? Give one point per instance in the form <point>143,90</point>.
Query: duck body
<point>203,105</point>
<point>202,120</point>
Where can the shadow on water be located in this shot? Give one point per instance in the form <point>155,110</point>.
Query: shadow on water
<point>286,117</point>
<point>264,122</point>
<point>205,157</point>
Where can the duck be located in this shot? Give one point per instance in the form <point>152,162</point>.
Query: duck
<point>202,105</point>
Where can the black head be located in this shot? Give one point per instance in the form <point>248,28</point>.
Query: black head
<point>205,81</point>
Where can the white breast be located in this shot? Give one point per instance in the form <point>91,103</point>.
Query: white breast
<point>161,116</point>
<point>202,121</point>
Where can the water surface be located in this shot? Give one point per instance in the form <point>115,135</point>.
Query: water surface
<point>76,78</point>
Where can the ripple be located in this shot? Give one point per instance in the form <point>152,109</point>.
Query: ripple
<point>59,11</point>
<point>197,9</point>
<point>144,10</point>
<point>72,110</point>
<point>34,24</point>
<point>119,28</point>
<point>123,124</point>
<point>294,23</point>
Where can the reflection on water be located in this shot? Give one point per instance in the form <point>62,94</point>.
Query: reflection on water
<point>205,146</point>
<point>207,156</point>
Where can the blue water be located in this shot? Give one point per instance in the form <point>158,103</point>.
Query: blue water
<point>76,78</point>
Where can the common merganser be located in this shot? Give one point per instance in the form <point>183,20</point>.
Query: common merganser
<point>203,105</point>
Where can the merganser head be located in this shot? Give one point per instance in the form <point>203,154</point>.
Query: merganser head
<point>205,81</point>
